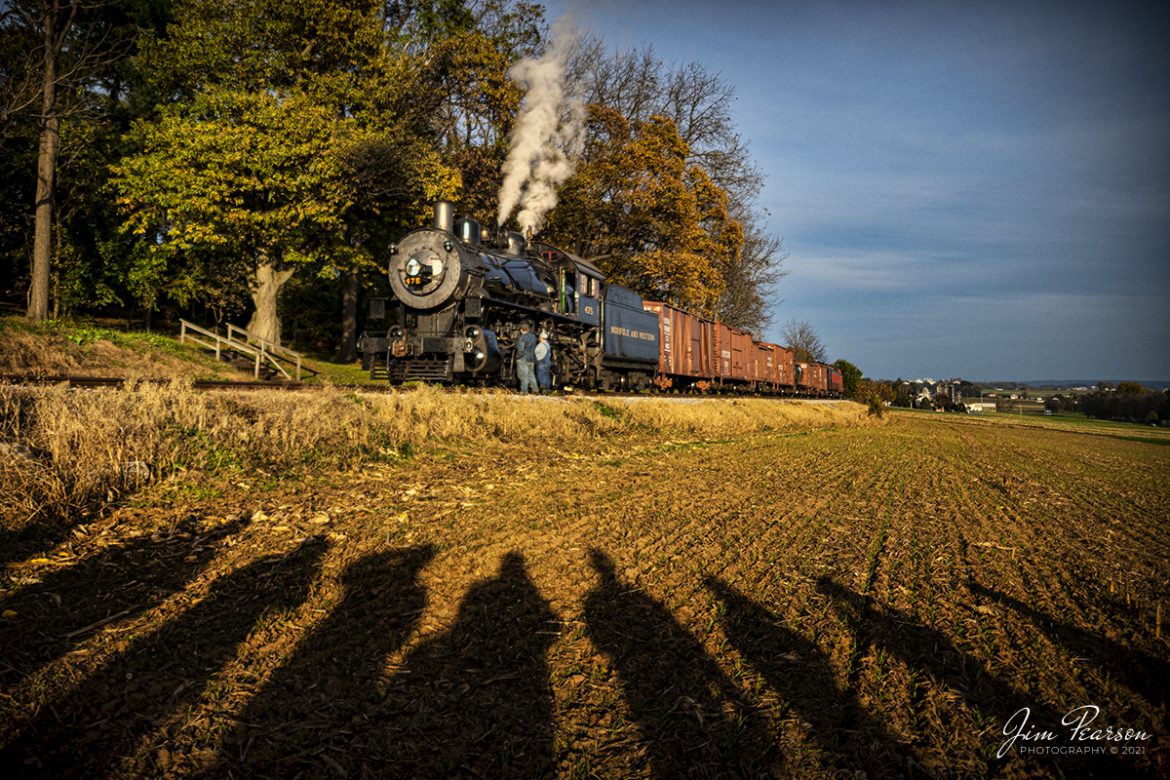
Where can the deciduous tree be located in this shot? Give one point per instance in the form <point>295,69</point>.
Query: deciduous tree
<point>850,375</point>
<point>650,219</point>
<point>637,85</point>
<point>243,177</point>
<point>804,341</point>
<point>260,162</point>
<point>55,53</point>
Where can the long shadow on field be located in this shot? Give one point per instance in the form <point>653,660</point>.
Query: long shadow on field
<point>31,539</point>
<point>60,611</point>
<point>928,650</point>
<point>1142,673</point>
<point>850,739</point>
<point>96,727</point>
<point>475,701</point>
<point>310,707</point>
<point>675,691</point>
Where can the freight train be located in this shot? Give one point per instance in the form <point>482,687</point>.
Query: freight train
<point>460,296</point>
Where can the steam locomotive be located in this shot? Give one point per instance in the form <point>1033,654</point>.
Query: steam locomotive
<point>459,298</point>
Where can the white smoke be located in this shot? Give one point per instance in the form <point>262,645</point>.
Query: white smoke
<point>548,136</point>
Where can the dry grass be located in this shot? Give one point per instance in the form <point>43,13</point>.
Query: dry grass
<point>93,446</point>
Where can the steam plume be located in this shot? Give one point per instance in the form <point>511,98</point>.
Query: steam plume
<point>548,135</point>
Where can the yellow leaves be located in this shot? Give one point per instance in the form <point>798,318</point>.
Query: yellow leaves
<point>662,224</point>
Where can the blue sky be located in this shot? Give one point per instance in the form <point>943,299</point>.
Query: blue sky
<point>976,189</point>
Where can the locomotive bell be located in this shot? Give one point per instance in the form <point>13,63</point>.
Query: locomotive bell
<point>468,231</point>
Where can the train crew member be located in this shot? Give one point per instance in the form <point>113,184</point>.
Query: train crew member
<point>543,354</point>
<point>526,358</point>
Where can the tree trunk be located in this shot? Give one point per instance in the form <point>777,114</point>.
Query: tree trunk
<point>265,322</point>
<point>349,318</point>
<point>38,293</point>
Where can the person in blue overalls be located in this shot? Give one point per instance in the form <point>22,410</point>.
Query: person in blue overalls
<point>526,358</point>
<point>543,354</point>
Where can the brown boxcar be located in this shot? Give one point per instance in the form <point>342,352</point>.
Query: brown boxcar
<point>762,365</point>
<point>787,360</point>
<point>813,378</point>
<point>774,367</point>
<point>686,344</point>
<point>733,354</point>
<point>769,366</point>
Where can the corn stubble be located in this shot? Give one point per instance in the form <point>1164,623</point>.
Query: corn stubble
<point>473,584</point>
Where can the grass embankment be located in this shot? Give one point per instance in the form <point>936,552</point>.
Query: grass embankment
<point>67,348</point>
<point>76,451</point>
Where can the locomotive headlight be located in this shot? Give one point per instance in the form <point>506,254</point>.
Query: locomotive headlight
<point>413,267</point>
<point>396,332</point>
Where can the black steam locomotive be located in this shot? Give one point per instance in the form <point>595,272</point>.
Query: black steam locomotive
<point>460,297</point>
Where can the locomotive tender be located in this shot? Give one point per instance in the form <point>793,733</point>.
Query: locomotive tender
<point>460,297</point>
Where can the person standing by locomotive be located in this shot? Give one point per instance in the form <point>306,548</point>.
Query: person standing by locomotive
<point>526,358</point>
<point>543,354</point>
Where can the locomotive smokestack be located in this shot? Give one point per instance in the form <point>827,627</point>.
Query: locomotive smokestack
<point>445,216</point>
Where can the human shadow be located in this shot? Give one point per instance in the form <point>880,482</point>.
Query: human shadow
<point>1142,673</point>
<point>674,690</point>
<point>18,543</point>
<point>60,611</point>
<point>928,650</point>
<point>94,728</point>
<point>800,672</point>
<point>476,700</point>
<point>307,711</point>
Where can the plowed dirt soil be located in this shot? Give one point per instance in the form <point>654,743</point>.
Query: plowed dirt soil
<point>837,602</point>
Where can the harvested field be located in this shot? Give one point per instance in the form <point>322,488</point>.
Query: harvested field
<point>655,590</point>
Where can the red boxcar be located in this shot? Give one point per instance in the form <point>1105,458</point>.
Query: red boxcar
<point>687,344</point>
<point>836,381</point>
